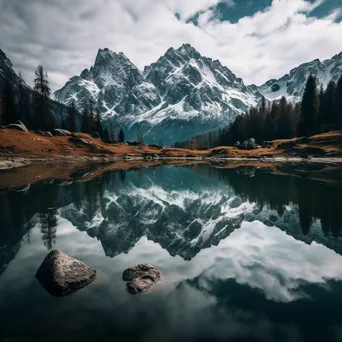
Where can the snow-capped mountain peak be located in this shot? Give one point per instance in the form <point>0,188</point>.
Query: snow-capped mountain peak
<point>111,68</point>
<point>182,94</point>
<point>292,84</point>
<point>113,83</point>
<point>181,89</point>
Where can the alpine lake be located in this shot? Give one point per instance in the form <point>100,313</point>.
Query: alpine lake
<point>246,253</point>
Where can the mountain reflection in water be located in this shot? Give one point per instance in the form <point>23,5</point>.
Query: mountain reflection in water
<point>245,254</point>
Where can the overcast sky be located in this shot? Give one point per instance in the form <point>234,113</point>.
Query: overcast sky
<point>256,39</point>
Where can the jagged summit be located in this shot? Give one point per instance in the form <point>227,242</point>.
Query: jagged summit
<point>106,56</point>
<point>113,83</point>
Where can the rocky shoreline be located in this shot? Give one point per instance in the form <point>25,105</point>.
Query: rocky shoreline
<point>15,162</point>
<point>22,148</point>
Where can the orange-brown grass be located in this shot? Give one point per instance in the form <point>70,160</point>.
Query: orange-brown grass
<point>31,145</point>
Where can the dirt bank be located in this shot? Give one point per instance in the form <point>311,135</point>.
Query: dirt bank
<point>19,149</point>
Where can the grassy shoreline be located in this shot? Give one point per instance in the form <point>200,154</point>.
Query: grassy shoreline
<point>21,149</point>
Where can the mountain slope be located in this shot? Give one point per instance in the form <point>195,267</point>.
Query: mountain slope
<point>7,72</point>
<point>196,86</point>
<point>181,94</point>
<point>114,84</point>
<point>292,84</point>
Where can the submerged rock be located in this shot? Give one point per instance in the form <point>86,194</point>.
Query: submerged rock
<point>61,275</point>
<point>141,278</point>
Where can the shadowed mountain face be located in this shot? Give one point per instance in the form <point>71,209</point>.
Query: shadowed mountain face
<point>6,70</point>
<point>7,74</point>
<point>181,95</point>
<point>184,210</point>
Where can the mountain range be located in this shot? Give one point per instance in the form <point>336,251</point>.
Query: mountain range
<point>181,95</point>
<point>186,210</point>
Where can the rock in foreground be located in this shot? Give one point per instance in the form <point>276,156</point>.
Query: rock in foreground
<point>19,126</point>
<point>141,278</point>
<point>61,275</point>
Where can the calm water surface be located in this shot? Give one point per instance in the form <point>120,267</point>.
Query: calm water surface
<point>245,255</point>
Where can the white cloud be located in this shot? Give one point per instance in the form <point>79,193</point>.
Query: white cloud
<point>261,257</point>
<point>65,37</point>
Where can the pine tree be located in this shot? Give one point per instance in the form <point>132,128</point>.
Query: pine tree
<point>24,103</point>
<point>21,97</point>
<point>111,132</point>
<point>121,136</point>
<point>284,119</point>
<point>105,137</point>
<point>114,137</point>
<point>8,107</point>
<point>91,117</point>
<point>338,101</point>
<point>321,109</point>
<point>72,117</point>
<point>43,118</point>
<point>48,228</point>
<point>63,124</point>
<point>329,96</point>
<point>291,121</point>
<point>327,108</point>
<point>270,127</point>
<point>98,123</point>
<point>295,118</point>
<point>85,126</point>
<point>263,106</point>
<point>307,124</point>
<point>1,108</point>
<point>281,118</point>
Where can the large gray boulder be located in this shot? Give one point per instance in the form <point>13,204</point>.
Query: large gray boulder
<point>79,141</point>
<point>61,132</point>
<point>141,278</point>
<point>61,275</point>
<point>249,144</point>
<point>19,126</point>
